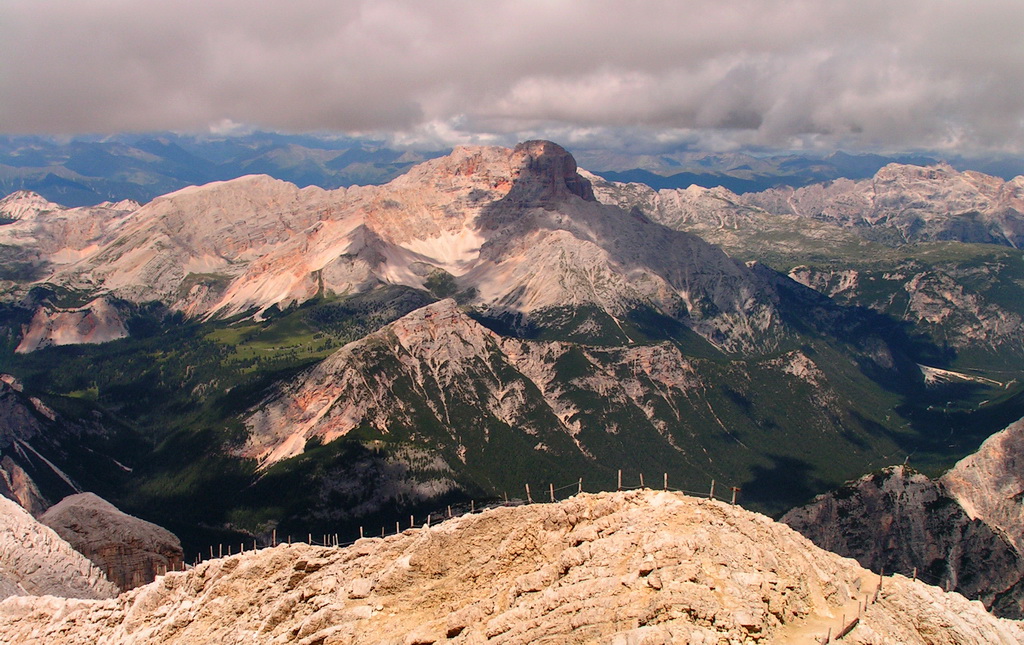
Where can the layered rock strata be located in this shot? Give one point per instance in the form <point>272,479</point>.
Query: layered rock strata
<point>34,560</point>
<point>131,551</point>
<point>636,567</point>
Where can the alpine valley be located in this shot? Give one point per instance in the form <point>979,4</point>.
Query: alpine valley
<point>247,355</point>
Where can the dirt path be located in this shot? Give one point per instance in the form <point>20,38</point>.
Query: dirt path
<point>813,629</point>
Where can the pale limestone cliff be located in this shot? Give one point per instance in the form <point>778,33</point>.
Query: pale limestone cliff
<point>55,235</point>
<point>518,229</point>
<point>18,486</point>
<point>130,551</point>
<point>629,568</point>
<point>989,484</point>
<point>35,560</point>
<point>23,205</point>
<point>838,227</point>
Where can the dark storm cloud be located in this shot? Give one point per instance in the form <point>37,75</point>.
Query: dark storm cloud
<point>916,73</point>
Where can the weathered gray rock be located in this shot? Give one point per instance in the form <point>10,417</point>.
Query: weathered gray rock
<point>129,550</point>
<point>636,567</point>
<point>17,485</point>
<point>989,484</point>
<point>34,560</point>
<point>917,203</point>
<point>440,349</point>
<point>849,241</point>
<point>899,521</point>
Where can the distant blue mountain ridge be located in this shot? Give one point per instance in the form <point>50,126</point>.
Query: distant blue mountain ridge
<point>86,170</point>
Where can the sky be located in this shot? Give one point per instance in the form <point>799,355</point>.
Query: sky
<point>892,75</point>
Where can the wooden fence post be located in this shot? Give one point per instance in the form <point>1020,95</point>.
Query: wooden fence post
<point>620,480</point>
<point>641,480</point>
<point>551,489</point>
<point>666,481</point>
<point>579,491</point>
<point>712,495</point>
<point>529,500</point>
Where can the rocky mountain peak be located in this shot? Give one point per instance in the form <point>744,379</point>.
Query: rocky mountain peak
<point>631,568</point>
<point>547,173</point>
<point>898,520</point>
<point>129,550</point>
<point>534,173</point>
<point>989,484</point>
<point>434,327</point>
<point>25,204</point>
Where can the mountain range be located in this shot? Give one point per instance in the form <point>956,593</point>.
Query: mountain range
<point>88,170</point>
<point>254,355</point>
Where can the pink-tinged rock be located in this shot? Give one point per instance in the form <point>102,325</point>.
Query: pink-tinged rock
<point>96,322</point>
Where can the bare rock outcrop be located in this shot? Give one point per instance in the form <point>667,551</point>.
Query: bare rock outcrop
<point>18,486</point>
<point>129,550</point>
<point>989,484</point>
<point>34,560</point>
<point>635,567</point>
<point>96,322</point>
<point>900,521</point>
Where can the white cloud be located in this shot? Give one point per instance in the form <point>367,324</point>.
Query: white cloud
<point>867,73</point>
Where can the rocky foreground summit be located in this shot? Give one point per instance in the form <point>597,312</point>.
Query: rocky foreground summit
<point>130,551</point>
<point>35,560</point>
<point>633,567</point>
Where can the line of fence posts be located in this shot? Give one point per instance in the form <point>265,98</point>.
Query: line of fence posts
<point>846,627</point>
<point>334,540</point>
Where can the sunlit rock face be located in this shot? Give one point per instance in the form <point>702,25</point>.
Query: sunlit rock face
<point>634,567</point>
<point>515,231</point>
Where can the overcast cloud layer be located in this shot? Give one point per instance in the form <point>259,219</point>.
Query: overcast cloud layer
<point>719,74</point>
